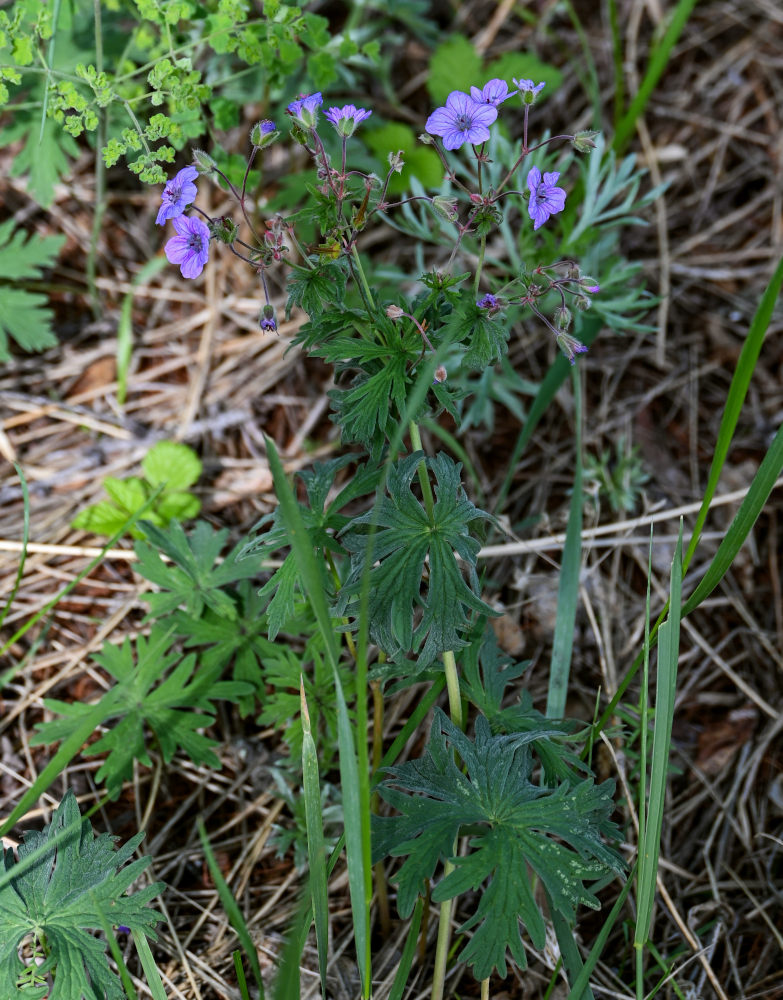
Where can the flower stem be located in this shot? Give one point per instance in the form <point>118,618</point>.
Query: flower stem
<point>362,276</point>
<point>480,266</point>
<point>426,489</point>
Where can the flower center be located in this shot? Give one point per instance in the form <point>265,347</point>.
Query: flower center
<point>462,122</point>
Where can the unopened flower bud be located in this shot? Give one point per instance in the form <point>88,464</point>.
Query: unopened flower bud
<point>428,140</point>
<point>583,142</point>
<point>582,303</point>
<point>572,271</point>
<point>588,284</point>
<point>441,374</point>
<point>562,318</point>
<point>266,319</point>
<point>263,134</point>
<point>394,312</point>
<point>445,207</point>
<point>396,162</point>
<point>225,230</point>
<point>203,162</point>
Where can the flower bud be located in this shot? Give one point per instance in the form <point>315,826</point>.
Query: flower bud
<point>570,346</point>
<point>583,142</point>
<point>394,312</point>
<point>263,134</point>
<point>445,207</point>
<point>396,162</point>
<point>203,162</point>
<point>225,230</point>
<point>440,374</point>
<point>428,140</point>
<point>562,318</point>
<point>266,319</point>
<point>582,303</point>
<point>588,284</point>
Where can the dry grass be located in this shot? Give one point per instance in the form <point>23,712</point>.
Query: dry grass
<point>204,374</point>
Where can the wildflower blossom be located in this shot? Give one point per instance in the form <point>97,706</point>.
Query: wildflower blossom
<point>305,109</point>
<point>177,195</point>
<point>346,119</point>
<point>545,198</point>
<point>528,89</point>
<point>190,247</point>
<point>494,93</point>
<point>489,301</point>
<point>461,120</point>
<point>267,319</point>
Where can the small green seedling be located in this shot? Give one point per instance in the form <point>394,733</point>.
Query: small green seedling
<point>174,467</point>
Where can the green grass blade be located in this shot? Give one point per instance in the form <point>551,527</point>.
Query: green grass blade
<point>240,973</point>
<point>151,973</point>
<point>288,979</point>
<point>750,508</point>
<point>569,951</point>
<point>406,960</point>
<point>665,690</point>
<point>768,471</point>
<point>25,541</point>
<point>231,907</point>
<point>568,588</point>
<point>355,784</point>
<point>6,677</point>
<point>64,755</point>
<point>316,852</point>
<point>550,384</point>
<point>737,391</point>
<point>580,983</point>
<point>657,64</point>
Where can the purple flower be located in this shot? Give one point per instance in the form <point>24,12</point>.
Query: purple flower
<point>190,247</point>
<point>545,198</point>
<point>570,346</point>
<point>494,93</point>
<point>528,89</point>
<point>267,126</point>
<point>305,109</point>
<point>461,120</point>
<point>489,301</point>
<point>346,119</point>
<point>177,195</point>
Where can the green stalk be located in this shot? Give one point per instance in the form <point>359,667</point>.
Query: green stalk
<point>362,276</point>
<point>480,266</point>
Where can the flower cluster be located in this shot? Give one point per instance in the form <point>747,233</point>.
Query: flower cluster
<point>190,247</point>
<point>464,118</point>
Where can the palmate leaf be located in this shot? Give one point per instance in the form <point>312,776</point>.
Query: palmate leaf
<point>322,520</point>
<point>74,886</point>
<point>513,823</point>
<point>404,539</point>
<point>194,579</point>
<point>156,689</point>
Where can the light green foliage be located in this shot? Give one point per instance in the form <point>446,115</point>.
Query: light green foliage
<point>23,315</point>
<point>420,162</point>
<point>193,578</point>
<point>171,467</point>
<point>156,688</point>
<point>514,823</point>
<point>75,886</point>
<point>401,535</point>
<point>616,478</point>
<point>455,59</point>
<point>169,65</point>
